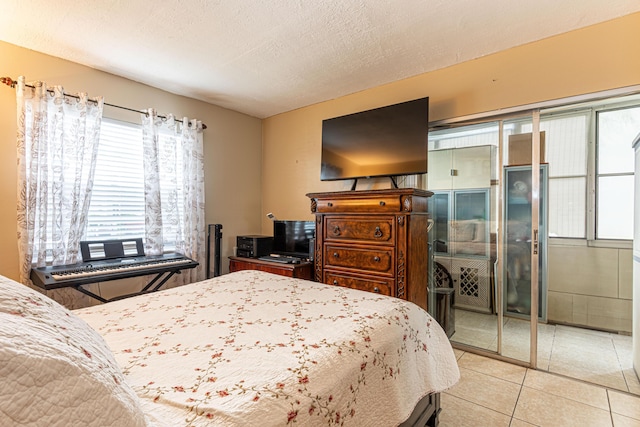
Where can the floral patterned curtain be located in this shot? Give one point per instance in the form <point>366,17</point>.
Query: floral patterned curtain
<point>174,189</point>
<point>57,146</point>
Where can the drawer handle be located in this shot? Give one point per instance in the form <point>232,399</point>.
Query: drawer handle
<point>376,258</point>
<point>335,282</point>
<point>377,232</point>
<point>330,204</point>
<point>336,255</point>
<point>382,203</point>
<point>376,290</point>
<point>336,230</point>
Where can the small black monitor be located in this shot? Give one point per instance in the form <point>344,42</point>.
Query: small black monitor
<point>293,238</point>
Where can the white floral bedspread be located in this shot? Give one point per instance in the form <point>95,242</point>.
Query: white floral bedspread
<point>256,349</point>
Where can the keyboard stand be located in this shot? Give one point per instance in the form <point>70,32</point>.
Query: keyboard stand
<point>143,291</point>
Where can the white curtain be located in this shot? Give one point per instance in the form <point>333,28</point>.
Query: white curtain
<point>174,189</point>
<point>57,146</point>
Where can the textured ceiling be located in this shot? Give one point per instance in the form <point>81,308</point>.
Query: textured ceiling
<point>264,57</point>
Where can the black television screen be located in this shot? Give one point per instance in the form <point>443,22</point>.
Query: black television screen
<point>386,141</point>
<point>293,237</point>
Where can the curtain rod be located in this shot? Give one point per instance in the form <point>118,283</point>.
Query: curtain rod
<point>12,83</point>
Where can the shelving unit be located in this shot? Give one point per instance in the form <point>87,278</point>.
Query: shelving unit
<point>461,179</point>
<point>462,245</point>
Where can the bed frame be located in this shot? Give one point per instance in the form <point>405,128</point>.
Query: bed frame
<point>426,412</point>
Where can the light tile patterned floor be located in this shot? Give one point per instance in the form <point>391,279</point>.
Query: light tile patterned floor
<point>493,393</point>
<point>597,357</point>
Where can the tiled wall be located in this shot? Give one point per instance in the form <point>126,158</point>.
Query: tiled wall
<point>590,287</point>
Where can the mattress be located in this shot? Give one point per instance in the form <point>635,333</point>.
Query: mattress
<point>253,348</point>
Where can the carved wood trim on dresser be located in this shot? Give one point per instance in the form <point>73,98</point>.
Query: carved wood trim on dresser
<point>373,240</point>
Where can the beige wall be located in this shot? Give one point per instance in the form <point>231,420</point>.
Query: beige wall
<point>590,286</point>
<point>232,143</point>
<point>593,59</point>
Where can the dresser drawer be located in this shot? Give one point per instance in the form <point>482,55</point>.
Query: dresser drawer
<point>375,285</point>
<point>382,204</point>
<point>378,260</point>
<point>376,229</point>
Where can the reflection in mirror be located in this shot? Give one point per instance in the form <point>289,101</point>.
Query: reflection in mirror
<point>517,241</point>
<point>463,177</point>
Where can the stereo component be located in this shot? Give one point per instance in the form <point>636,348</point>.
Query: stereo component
<point>254,246</point>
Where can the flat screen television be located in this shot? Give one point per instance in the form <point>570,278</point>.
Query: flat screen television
<point>384,142</point>
<point>293,238</point>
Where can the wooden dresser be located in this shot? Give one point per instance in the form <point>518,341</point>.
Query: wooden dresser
<point>374,240</point>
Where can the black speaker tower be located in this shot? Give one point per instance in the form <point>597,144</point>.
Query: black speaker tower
<point>214,237</point>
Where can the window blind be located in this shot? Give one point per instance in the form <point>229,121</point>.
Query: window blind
<point>117,201</point>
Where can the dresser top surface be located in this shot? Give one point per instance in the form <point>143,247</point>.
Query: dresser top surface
<point>355,194</point>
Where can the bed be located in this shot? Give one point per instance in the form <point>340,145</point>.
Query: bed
<point>246,348</point>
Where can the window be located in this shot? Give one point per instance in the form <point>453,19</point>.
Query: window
<point>567,142</point>
<point>82,177</point>
<point>117,209</point>
<point>615,170</point>
<point>591,164</point>
<point>117,200</point>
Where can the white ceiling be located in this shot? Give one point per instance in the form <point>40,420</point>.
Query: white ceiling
<point>264,57</point>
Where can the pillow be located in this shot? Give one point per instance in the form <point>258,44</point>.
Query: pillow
<point>464,230</point>
<point>481,230</point>
<point>55,369</point>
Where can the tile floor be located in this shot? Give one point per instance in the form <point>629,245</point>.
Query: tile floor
<point>597,357</point>
<point>493,393</point>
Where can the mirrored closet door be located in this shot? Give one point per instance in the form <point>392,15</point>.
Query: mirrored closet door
<point>483,239</point>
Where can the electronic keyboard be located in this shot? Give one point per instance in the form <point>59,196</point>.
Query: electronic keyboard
<point>72,275</point>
